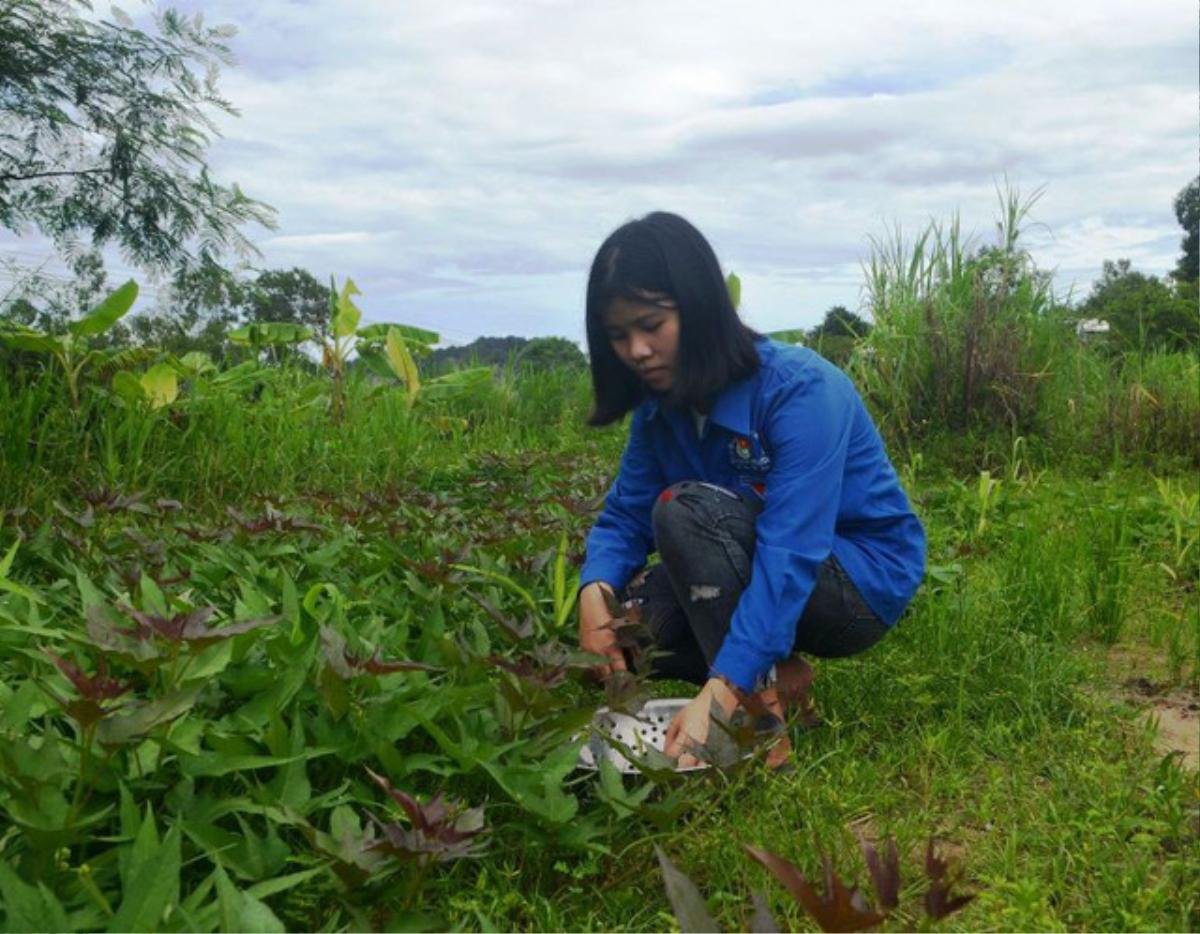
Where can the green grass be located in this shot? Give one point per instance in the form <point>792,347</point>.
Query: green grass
<point>992,719</point>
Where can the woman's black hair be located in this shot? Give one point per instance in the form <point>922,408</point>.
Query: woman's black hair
<point>663,257</point>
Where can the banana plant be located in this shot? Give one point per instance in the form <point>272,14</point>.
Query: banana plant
<point>390,351</point>
<point>72,350</point>
<point>734,286</point>
<point>265,334</point>
<point>344,317</point>
<point>157,387</point>
<point>787,336</point>
<point>394,361</point>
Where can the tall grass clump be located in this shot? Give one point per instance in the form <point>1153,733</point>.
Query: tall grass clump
<point>1140,406</point>
<point>963,336</point>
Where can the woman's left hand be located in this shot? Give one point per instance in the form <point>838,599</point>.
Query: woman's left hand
<point>689,728</point>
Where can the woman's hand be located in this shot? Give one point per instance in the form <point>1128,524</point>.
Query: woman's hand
<point>689,728</point>
<point>595,629</point>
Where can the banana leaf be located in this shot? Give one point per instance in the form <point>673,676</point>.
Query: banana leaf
<point>107,313</point>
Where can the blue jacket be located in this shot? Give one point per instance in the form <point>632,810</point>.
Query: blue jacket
<point>798,435</point>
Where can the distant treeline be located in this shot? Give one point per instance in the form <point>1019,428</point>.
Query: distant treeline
<point>538,352</point>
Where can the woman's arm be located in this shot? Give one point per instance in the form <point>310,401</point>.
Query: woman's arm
<point>622,536</point>
<point>619,542</point>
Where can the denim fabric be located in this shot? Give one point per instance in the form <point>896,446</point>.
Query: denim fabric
<point>706,538</point>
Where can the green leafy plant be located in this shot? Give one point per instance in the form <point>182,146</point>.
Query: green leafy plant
<point>155,388</point>
<point>72,351</point>
<point>985,497</point>
<point>124,696</point>
<point>1183,510</point>
<point>734,285</point>
<point>388,351</point>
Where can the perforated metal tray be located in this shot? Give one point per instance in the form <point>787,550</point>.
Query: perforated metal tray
<point>643,735</point>
<point>621,736</point>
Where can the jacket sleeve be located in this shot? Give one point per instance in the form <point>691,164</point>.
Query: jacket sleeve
<point>807,426</point>
<point>622,537</point>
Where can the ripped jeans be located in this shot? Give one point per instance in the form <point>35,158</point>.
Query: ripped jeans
<point>706,536</point>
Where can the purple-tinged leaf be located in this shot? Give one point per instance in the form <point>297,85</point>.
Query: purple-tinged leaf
<point>576,506</point>
<point>616,610</point>
<point>206,635</point>
<point>170,628</point>
<point>885,873</point>
<point>85,520</point>
<point>625,692</point>
<point>793,688</point>
<point>402,842</point>
<point>200,534</point>
<point>838,909</point>
<point>356,861</point>
<point>441,829</point>
<point>630,630</point>
<point>112,501</point>
<point>272,521</point>
<point>377,665</point>
<point>85,711</point>
<point>551,653</point>
<point>346,666</point>
<point>527,669</point>
<point>136,721</point>
<point>191,626</point>
<point>128,643</point>
<point>939,902</point>
<point>95,687</point>
<point>689,906</point>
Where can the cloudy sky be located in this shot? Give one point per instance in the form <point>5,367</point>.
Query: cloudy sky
<point>463,159</point>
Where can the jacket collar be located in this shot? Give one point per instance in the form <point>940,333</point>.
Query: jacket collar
<point>732,408</point>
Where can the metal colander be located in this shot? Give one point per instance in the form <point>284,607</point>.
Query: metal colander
<point>644,737</point>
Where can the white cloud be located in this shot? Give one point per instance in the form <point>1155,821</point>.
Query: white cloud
<point>463,160</point>
<point>303,241</point>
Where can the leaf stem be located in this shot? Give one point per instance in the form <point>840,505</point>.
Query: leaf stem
<point>89,885</point>
<point>81,782</point>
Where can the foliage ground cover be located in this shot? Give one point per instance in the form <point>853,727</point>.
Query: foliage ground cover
<point>221,619</point>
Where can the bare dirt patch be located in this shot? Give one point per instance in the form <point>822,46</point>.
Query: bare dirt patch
<point>1177,716</point>
<point>1139,678</point>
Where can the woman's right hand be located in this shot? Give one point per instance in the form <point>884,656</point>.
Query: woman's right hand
<point>595,629</point>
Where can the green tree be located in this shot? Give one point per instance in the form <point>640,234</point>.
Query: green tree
<point>1143,311</point>
<point>1187,211</point>
<point>292,295</point>
<point>48,302</point>
<point>104,130</point>
<point>194,312</point>
<point>835,337</point>
<point>544,353</point>
<point>840,322</point>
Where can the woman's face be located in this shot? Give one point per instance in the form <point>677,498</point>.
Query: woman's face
<point>645,337</point>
